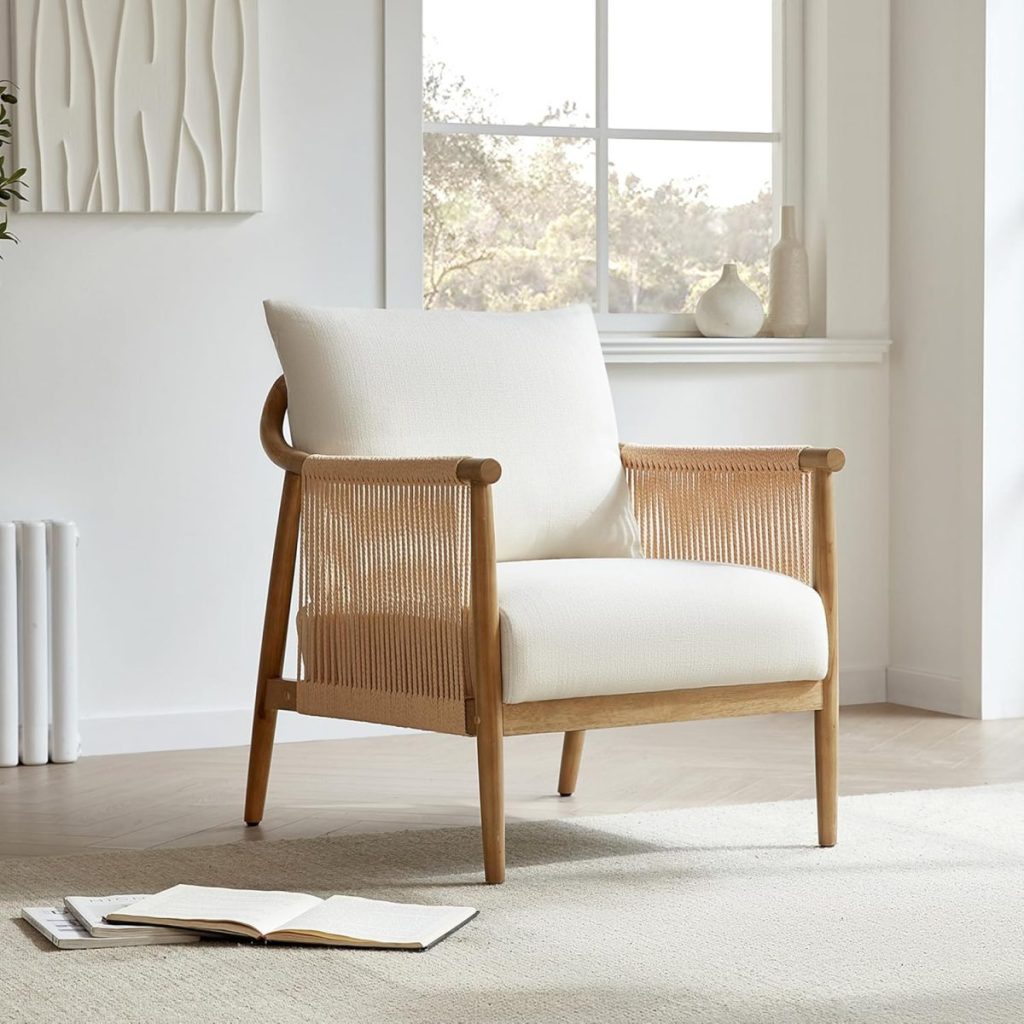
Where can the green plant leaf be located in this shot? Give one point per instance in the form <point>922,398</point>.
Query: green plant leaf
<point>11,185</point>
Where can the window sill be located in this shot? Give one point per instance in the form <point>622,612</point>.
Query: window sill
<point>635,349</point>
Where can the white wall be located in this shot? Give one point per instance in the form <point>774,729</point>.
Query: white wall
<point>134,361</point>
<point>958,357</point>
<point>1002,645</point>
<point>937,202</point>
<point>857,172</point>
<point>133,364</point>
<point>846,165</point>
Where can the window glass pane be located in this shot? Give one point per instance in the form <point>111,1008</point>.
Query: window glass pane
<point>697,65</point>
<point>677,211</point>
<point>508,222</point>
<point>530,62</point>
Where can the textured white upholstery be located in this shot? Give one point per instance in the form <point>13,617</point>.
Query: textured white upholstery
<point>527,389</point>
<point>578,628</point>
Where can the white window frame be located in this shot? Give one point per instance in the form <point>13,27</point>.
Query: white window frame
<point>403,154</point>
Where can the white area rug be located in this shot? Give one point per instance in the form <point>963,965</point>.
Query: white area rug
<point>714,915</point>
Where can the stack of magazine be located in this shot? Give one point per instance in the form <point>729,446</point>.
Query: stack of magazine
<point>188,913</point>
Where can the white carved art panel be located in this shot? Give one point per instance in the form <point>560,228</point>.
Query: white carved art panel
<point>134,106</point>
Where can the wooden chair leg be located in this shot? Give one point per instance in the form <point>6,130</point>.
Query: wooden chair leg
<point>826,721</point>
<point>275,636</point>
<point>826,766</point>
<point>489,748</point>
<point>487,682</point>
<point>572,751</point>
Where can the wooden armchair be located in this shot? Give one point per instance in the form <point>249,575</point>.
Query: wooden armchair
<point>407,616</point>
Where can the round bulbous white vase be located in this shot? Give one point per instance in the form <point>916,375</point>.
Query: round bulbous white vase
<point>729,309</point>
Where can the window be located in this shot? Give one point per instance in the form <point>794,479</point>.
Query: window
<point>612,152</point>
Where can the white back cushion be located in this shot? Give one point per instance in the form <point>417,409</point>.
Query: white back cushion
<point>527,389</point>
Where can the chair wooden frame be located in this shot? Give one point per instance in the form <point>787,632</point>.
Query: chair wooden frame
<point>487,717</point>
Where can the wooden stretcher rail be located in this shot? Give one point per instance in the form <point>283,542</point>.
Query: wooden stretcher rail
<point>669,706</point>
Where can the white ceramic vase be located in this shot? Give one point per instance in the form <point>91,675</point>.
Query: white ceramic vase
<point>729,309</point>
<point>789,297</point>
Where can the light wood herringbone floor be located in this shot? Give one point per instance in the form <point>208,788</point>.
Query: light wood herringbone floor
<point>191,798</point>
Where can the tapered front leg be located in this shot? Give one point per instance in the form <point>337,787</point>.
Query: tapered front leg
<point>275,636</point>
<point>826,772</point>
<point>572,752</point>
<point>490,763</point>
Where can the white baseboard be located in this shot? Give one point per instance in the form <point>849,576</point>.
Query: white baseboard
<point>230,727</point>
<point>924,690</point>
<point>194,730</point>
<point>861,685</point>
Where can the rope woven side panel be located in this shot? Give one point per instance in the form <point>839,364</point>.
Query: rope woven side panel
<point>383,620</point>
<point>746,506</point>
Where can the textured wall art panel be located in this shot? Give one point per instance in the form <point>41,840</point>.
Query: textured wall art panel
<point>133,106</point>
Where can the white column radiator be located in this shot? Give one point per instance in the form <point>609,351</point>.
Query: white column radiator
<point>38,643</point>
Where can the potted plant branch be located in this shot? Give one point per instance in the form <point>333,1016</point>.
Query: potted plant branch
<point>10,184</point>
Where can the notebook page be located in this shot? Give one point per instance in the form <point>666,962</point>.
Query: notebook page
<point>379,921</point>
<point>263,911</point>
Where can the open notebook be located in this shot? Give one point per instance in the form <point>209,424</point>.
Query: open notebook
<point>298,917</point>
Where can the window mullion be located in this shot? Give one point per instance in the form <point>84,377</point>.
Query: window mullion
<point>601,184</point>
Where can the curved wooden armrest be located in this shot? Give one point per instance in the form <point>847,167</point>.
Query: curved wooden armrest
<point>281,453</point>
<point>643,456</point>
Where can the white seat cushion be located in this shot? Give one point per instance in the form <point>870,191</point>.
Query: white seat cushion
<point>579,628</point>
<point>527,389</point>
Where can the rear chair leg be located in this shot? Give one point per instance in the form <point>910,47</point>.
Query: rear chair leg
<point>275,636</point>
<point>572,752</point>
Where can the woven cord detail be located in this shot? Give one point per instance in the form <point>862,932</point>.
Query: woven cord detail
<point>384,591</point>
<point>745,506</point>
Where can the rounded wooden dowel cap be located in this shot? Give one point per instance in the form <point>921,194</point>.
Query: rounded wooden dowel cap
<point>832,459</point>
<point>480,471</point>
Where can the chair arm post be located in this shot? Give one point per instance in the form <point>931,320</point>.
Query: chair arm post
<point>484,601</point>
<point>826,720</point>
<point>487,687</point>
<point>825,576</point>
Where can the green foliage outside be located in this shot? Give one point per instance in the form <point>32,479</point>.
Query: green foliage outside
<point>11,183</point>
<point>509,223</point>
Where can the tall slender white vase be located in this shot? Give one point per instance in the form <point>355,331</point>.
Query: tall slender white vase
<point>789,298</point>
